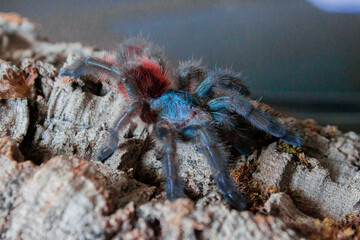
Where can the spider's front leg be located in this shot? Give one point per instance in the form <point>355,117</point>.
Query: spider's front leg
<point>113,141</point>
<point>173,184</point>
<point>101,69</point>
<point>221,81</point>
<point>218,163</point>
<point>256,116</point>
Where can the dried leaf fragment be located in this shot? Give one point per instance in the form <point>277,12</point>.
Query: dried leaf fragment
<point>17,84</point>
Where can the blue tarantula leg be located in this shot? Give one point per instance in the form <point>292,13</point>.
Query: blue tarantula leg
<point>110,146</point>
<point>173,183</point>
<point>222,81</point>
<point>218,165</point>
<point>232,133</point>
<point>238,141</point>
<point>99,68</point>
<point>255,116</point>
<point>113,141</point>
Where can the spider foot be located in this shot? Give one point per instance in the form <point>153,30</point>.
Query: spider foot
<point>228,189</point>
<point>292,138</point>
<point>108,149</point>
<point>236,200</point>
<point>76,70</point>
<point>69,73</point>
<point>173,189</point>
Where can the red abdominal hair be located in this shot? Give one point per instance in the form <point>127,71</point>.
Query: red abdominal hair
<point>150,79</point>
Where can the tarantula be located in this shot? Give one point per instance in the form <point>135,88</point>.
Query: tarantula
<point>200,104</point>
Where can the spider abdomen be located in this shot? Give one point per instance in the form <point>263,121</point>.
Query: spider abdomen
<point>147,78</point>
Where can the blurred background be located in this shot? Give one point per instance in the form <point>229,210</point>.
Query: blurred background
<point>301,57</point>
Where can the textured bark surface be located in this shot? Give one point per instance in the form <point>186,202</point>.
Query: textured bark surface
<point>331,188</point>
<point>52,188</point>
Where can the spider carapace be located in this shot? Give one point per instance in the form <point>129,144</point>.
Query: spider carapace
<point>200,104</point>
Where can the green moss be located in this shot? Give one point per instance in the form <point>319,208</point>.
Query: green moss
<point>284,147</point>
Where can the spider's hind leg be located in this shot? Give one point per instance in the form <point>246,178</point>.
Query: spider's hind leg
<point>173,183</point>
<point>250,110</point>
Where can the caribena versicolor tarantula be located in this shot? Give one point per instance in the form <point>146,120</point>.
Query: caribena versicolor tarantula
<point>200,104</point>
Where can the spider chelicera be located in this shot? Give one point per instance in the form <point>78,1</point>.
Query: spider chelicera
<point>200,104</point>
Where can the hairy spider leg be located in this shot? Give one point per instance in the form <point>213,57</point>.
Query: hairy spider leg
<point>101,69</point>
<point>191,74</point>
<point>231,132</point>
<point>223,82</point>
<point>257,117</point>
<point>217,161</point>
<point>113,141</point>
<point>173,183</point>
<point>105,70</point>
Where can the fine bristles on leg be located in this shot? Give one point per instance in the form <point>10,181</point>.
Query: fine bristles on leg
<point>239,141</point>
<point>122,122</point>
<point>173,183</point>
<point>217,160</point>
<point>99,65</point>
<point>222,83</point>
<point>77,68</point>
<point>191,74</point>
<point>230,131</point>
<point>256,116</point>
